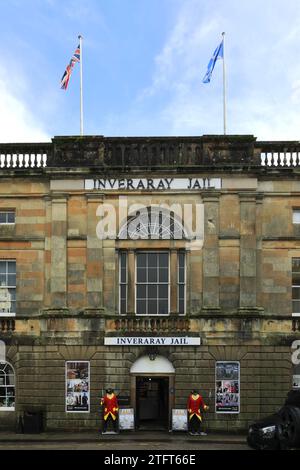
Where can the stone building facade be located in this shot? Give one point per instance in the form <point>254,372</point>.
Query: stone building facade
<point>69,294</point>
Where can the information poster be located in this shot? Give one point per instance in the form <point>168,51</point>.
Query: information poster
<point>227,387</point>
<point>126,419</point>
<point>77,386</point>
<point>179,420</point>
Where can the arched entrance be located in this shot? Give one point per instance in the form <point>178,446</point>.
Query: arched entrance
<point>152,392</point>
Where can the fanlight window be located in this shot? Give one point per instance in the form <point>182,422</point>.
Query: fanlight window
<point>153,223</point>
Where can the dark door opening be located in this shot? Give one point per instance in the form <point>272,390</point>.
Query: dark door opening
<point>152,402</point>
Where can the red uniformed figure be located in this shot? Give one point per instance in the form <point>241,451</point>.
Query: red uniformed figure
<point>195,405</point>
<point>111,408</point>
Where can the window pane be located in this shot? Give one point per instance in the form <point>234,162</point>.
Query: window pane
<point>152,291</point>
<point>141,292</point>
<point>163,275</point>
<point>296,293</point>
<point>141,260</point>
<point>123,306</point>
<point>164,260</point>
<point>152,307</point>
<point>296,306</point>
<point>123,291</point>
<point>163,307</point>
<point>11,278</point>
<point>141,307</point>
<point>181,291</point>
<point>152,275</point>
<point>3,280</point>
<point>181,306</point>
<point>152,260</point>
<point>163,291</point>
<point>2,217</point>
<point>141,275</point>
<point>296,217</point>
<point>296,264</point>
<point>11,267</point>
<point>11,217</point>
<point>2,266</point>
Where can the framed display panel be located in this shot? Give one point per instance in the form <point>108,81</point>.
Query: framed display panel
<point>179,420</point>
<point>126,419</point>
<point>227,392</point>
<point>77,399</point>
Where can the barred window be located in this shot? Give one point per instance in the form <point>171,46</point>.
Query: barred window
<point>181,282</point>
<point>296,287</point>
<point>152,283</point>
<point>7,287</point>
<point>7,387</point>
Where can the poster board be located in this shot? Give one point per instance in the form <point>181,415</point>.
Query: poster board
<point>126,419</point>
<point>77,398</point>
<point>227,391</point>
<point>179,420</point>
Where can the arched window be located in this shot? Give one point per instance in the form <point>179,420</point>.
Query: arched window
<point>155,223</point>
<point>7,387</point>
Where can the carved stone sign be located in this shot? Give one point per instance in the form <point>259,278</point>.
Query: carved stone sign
<point>152,184</point>
<point>152,341</point>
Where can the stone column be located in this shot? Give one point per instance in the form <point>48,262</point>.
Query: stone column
<point>58,269</point>
<point>94,268</point>
<point>211,257</point>
<point>247,251</point>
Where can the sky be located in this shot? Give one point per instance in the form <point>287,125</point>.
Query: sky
<point>143,64</point>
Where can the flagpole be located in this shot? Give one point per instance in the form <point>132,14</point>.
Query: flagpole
<point>81,91</point>
<point>224,86</point>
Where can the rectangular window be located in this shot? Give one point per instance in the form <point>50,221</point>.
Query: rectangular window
<point>296,216</point>
<point>181,282</point>
<point>77,387</point>
<point>123,282</point>
<point>7,217</point>
<point>152,283</point>
<point>296,287</point>
<point>7,288</point>
<point>227,387</point>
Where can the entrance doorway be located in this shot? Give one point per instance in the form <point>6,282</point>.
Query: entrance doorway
<point>152,392</point>
<point>152,402</point>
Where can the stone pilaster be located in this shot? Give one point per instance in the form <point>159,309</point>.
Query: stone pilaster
<point>247,251</point>
<point>211,256</point>
<point>94,269</point>
<point>58,269</point>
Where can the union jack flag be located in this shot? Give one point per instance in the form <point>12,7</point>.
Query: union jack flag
<point>67,74</point>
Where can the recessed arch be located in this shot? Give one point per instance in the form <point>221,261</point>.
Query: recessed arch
<point>161,365</point>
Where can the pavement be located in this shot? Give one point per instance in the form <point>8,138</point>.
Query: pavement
<point>142,440</point>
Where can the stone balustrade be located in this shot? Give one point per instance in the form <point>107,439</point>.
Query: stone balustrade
<point>152,325</point>
<point>7,325</point>
<point>149,153</point>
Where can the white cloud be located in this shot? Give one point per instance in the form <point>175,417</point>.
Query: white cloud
<point>263,75</point>
<point>17,121</point>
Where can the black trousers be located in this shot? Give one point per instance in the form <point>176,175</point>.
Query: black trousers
<point>194,424</point>
<point>114,423</point>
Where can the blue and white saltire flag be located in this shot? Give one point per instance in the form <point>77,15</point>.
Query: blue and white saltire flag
<point>218,54</point>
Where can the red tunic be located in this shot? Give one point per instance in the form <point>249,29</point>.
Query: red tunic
<point>194,405</point>
<point>111,406</point>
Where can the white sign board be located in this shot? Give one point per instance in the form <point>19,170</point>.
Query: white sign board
<point>152,184</point>
<point>126,419</point>
<point>179,420</point>
<point>152,341</point>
